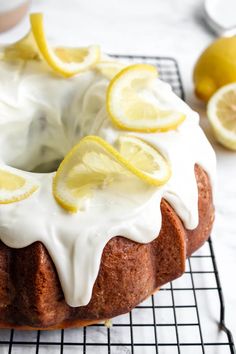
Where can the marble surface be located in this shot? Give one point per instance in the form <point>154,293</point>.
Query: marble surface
<point>154,27</point>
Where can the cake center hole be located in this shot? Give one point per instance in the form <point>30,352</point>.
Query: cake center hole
<point>39,147</point>
<point>37,166</point>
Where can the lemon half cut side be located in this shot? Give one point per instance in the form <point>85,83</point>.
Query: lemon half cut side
<point>93,163</point>
<point>221,111</point>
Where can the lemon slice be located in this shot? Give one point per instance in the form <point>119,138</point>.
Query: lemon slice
<point>144,161</point>
<point>109,68</point>
<point>131,107</point>
<point>221,111</point>
<point>93,163</point>
<point>14,186</point>
<point>68,62</point>
<point>25,49</point>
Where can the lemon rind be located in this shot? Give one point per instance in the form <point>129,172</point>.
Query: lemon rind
<point>20,197</point>
<point>153,129</point>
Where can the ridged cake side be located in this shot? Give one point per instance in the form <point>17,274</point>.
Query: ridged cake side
<point>31,294</point>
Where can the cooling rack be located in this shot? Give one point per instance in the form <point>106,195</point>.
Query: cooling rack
<point>185,316</point>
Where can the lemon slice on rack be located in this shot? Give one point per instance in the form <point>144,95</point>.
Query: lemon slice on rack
<point>131,107</point>
<point>109,68</point>
<point>14,186</point>
<point>63,61</point>
<point>25,49</point>
<point>221,111</point>
<point>93,163</point>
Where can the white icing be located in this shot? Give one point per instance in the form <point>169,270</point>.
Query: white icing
<point>41,117</point>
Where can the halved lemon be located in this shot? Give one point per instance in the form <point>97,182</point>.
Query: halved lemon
<point>109,68</point>
<point>14,186</point>
<point>93,163</point>
<point>66,62</point>
<point>221,111</point>
<point>130,105</point>
<point>25,49</point>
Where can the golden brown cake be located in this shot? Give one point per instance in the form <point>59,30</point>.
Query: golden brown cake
<point>130,235</point>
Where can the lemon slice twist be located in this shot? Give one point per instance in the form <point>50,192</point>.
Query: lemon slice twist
<point>129,105</point>
<point>93,163</point>
<point>15,187</point>
<point>65,61</point>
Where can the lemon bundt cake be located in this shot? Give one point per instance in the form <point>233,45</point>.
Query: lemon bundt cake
<point>130,201</point>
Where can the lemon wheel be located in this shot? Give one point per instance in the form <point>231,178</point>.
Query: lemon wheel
<point>131,108</point>
<point>14,186</point>
<point>93,163</point>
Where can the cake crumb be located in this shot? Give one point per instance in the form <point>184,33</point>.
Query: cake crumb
<point>108,323</point>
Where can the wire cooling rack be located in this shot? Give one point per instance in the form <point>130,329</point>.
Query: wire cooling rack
<point>185,316</point>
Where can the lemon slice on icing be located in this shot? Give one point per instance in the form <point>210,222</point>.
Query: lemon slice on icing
<point>131,108</point>
<point>64,61</point>
<point>109,68</point>
<point>144,161</point>
<point>25,49</point>
<point>93,163</point>
<point>221,111</point>
<point>14,186</point>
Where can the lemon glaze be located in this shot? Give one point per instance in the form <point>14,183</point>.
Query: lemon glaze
<point>41,117</point>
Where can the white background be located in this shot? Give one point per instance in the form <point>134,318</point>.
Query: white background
<point>154,27</point>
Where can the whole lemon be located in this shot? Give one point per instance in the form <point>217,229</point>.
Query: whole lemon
<point>216,67</point>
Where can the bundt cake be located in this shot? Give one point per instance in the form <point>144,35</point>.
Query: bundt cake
<point>60,269</point>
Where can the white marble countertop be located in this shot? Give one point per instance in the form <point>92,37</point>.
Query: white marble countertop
<point>152,27</point>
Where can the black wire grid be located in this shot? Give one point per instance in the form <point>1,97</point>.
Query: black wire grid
<point>185,316</point>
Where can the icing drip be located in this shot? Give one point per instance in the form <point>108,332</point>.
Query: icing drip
<point>41,117</point>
